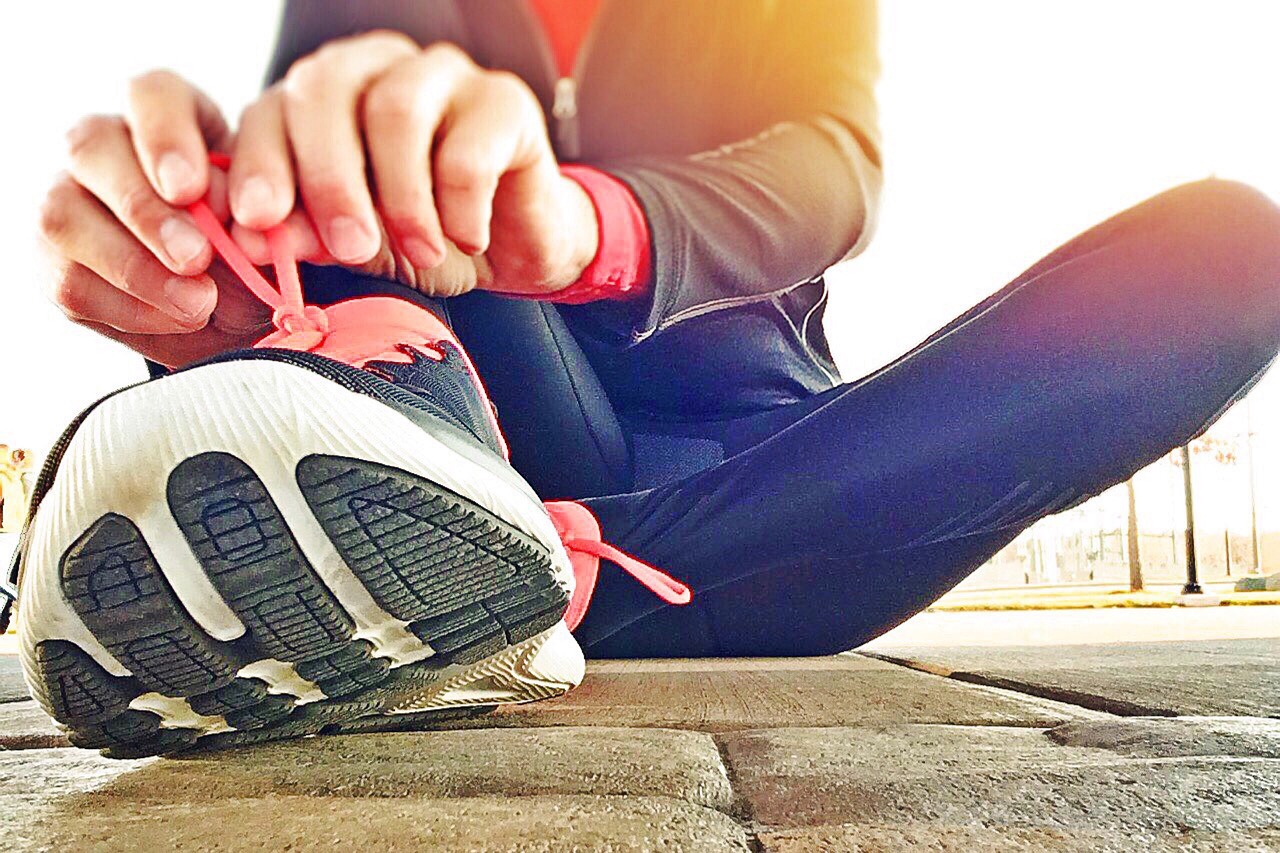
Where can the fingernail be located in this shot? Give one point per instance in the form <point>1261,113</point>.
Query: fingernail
<point>174,174</point>
<point>256,197</point>
<point>181,241</point>
<point>421,253</point>
<point>348,239</point>
<point>188,300</point>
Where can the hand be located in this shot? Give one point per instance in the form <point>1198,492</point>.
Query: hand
<point>459,188</point>
<point>127,260</point>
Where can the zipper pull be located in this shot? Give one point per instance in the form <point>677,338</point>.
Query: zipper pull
<point>564,109</point>
<point>565,106</point>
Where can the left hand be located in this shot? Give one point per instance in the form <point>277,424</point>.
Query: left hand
<point>460,187</point>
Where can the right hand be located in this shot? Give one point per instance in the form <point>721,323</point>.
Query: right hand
<point>128,260</point>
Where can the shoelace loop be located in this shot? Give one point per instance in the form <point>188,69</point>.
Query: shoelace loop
<point>298,325</point>
<point>579,531</point>
<point>653,579</point>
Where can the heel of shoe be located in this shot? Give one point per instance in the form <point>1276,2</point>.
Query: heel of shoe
<point>542,667</point>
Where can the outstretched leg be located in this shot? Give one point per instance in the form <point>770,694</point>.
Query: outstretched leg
<point>883,493</point>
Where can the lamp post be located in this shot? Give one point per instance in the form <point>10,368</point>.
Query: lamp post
<point>1255,540</point>
<point>1192,586</point>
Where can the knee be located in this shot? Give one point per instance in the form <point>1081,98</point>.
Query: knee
<point>1222,239</point>
<point>1232,228</point>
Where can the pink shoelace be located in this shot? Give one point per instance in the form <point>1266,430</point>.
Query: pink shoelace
<point>580,532</point>
<point>376,328</point>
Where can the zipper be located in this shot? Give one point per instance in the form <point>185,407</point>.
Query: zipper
<point>716,305</point>
<point>564,110</point>
<point>565,88</point>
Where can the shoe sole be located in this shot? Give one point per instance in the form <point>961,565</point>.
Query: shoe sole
<point>247,551</point>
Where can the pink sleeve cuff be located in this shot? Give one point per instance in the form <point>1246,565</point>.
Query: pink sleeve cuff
<point>620,269</point>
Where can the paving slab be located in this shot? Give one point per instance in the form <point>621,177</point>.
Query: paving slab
<point>36,785</point>
<point>966,839</point>
<point>1212,677</point>
<point>724,695</point>
<point>24,726</point>
<point>67,799</point>
<point>1172,737</point>
<point>513,762</point>
<point>937,779</point>
<point>12,687</point>
<point>338,823</point>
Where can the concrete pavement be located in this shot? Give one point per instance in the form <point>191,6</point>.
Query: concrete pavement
<point>845,753</point>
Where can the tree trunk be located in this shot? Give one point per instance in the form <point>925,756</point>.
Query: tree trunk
<point>1135,560</point>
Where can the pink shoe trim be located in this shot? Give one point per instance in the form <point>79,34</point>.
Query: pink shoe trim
<point>580,532</point>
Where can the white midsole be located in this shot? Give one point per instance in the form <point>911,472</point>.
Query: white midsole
<point>269,415</point>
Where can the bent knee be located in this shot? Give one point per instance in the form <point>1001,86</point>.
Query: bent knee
<point>1221,240</point>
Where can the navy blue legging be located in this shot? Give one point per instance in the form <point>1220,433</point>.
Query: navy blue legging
<point>833,519</point>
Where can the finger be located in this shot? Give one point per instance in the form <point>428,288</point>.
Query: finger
<point>483,138</point>
<point>238,322</point>
<point>301,234</point>
<point>402,112</point>
<point>173,123</point>
<point>80,230</point>
<point>84,296</point>
<point>104,163</point>
<point>175,350</point>
<point>261,177</point>
<point>321,97</point>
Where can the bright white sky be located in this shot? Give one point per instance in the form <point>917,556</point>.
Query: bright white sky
<point>1009,127</point>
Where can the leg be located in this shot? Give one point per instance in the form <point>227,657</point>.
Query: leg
<point>886,492</point>
<point>564,436</point>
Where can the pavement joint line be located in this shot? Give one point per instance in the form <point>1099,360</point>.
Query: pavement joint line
<point>1078,698</point>
<point>740,807</point>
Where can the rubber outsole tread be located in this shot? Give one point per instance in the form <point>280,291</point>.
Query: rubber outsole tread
<point>270,710</point>
<point>121,730</point>
<point>162,742</point>
<point>74,688</point>
<point>411,722</point>
<point>465,580</point>
<point>112,581</point>
<point>241,541</point>
<point>238,695</point>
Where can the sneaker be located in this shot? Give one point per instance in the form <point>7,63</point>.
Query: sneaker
<point>321,533</point>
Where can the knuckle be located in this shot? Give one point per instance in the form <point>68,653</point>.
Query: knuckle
<point>67,294</point>
<point>328,190</point>
<point>306,75</point>
<point>505,83</point>
<point>89,131</point>
<point>389,102</point>
<point>390,40</point>
<point>150,81</point>
<point>458,169</point>
<point>137,206</point>
<point>55,221</point>
<point>262,108</point>
<point>447,53</point>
